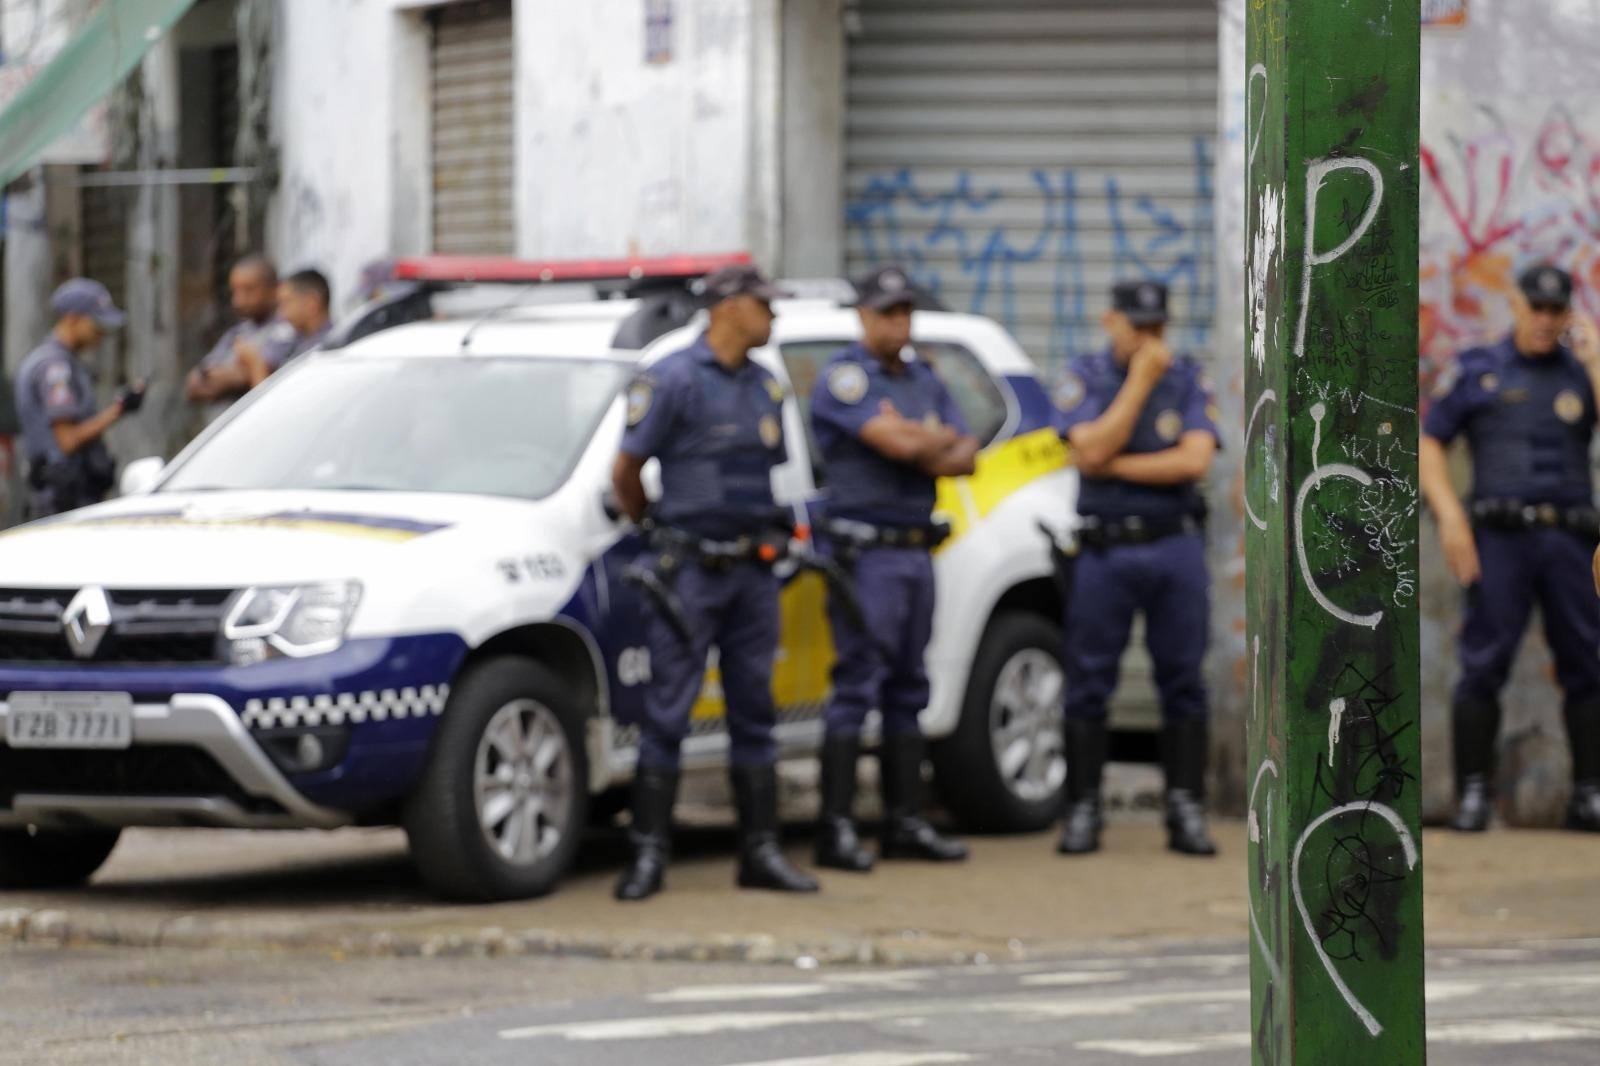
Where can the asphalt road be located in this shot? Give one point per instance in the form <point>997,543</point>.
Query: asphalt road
<point>1530,1003</point>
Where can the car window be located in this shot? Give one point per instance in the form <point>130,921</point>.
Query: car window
<point>480,425</point>
<point>982,403</point>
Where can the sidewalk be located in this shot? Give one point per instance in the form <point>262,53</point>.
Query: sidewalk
<point>353,892</point>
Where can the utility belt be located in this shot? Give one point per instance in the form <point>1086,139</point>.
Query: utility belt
<point>74,481</point>
<point>1516,515</point>
<point>719,556</point>
<point>1096,532</point>
<point>860,536</point>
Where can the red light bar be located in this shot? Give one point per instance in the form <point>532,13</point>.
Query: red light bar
<point>491,268</point>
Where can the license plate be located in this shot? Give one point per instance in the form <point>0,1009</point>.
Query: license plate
<point>70,720</point>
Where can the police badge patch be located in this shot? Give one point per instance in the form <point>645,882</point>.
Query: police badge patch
<point>1069,392</point>
<point>847,382</point>
<point>771,432</point>
<point>1169,424</point>
<point>1569,407</point>
<point>639,396</point>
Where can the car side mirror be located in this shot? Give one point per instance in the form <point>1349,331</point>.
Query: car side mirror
<point>141,475</point>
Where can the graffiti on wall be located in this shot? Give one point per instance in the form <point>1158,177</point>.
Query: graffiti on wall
<point>1505,186</point>
<point>960,242</point>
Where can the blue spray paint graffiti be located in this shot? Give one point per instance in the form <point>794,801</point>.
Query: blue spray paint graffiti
<point>896,217</point>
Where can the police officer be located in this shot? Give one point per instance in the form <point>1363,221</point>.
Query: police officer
<point>303,324</point>
<point>62,430</point>
<point>1527,407</point>
<point>714,420</point>
<point>224,374</point>
<point>1143,433</point>
<point>886,428</point>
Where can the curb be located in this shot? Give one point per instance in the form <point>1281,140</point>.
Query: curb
<point>62,929</point>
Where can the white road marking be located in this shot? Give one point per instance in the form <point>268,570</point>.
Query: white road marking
<point>1055,980</point>
<point>871,1058</point>
<point>1022,1007</point>
<point>738,993</point>
<point>1167,1048</point>
<point>1509,1031</point>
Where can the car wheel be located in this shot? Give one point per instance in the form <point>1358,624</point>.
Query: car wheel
<point>504,800</point>
<point>48,858</point>
<point>1004,769</point>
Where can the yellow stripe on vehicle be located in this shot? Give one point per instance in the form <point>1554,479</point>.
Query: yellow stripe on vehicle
<point>1001,470</point>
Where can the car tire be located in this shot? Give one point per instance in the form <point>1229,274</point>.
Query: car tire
<point>1004,770</point>
<point>503,803</point>
<point>49,858</point>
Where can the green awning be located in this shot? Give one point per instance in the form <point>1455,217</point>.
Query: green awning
<point>87,67</point>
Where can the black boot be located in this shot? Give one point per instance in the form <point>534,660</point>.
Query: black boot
<point>1085,741</point>
<point>838,845</point>
<point>1475,724</point>
<point>906,834</point>
<point>654,793</point>
<point>1583,733</point>
<point>761,860</point>
<point>1186,748</point>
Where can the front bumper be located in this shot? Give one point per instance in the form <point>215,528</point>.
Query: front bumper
<point>261,797</point>
<point>199,753</point>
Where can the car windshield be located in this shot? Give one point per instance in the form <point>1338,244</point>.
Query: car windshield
<point>487,426</point>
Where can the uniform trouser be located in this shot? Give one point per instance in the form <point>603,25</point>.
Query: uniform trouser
<point>884,665</point>
<point>1165,580</point>
<point>737,610</point>
<point>1550,567</point>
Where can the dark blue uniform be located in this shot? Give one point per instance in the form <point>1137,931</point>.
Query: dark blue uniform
<point>717,434</point>
<point>1529,423</point>
<point>884,665</point>
<point>1164,578</point>
<point>53,386</point>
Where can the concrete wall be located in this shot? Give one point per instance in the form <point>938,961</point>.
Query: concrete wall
<point>1511,175</point>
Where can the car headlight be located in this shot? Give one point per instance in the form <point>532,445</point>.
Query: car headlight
<point>292,620</point>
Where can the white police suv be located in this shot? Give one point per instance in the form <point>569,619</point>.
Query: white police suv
<point>386,589</point>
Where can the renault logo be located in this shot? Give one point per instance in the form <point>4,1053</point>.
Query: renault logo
<point>86,620</point>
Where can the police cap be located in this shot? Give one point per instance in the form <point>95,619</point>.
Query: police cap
<point>740,280</point>
<point>1144,302</point>
<point>83,296</point>
<point>887,287</point>
<point>1546,286</point>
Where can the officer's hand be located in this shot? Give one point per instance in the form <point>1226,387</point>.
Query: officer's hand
<point>1460,551</point>
<point>131,397</point>
<point>1585,340</point>
<point>1152,359</point>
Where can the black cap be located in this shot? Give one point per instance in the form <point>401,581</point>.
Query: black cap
<point>887,287</point>
<point>1144,302</point>
<point>1546,285</point>
<point>743,280</point>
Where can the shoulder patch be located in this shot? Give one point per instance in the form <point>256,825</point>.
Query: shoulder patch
<point>1069,391</point>
<point>774,390</point>
<point>640,395</point>
<point>847,383</point>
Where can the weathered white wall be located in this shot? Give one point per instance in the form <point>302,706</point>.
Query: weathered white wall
<point>616,156</point>
<point>350,106</point>
<point>1511,175</point>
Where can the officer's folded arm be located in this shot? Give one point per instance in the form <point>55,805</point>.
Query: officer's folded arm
<point>1187,461</point>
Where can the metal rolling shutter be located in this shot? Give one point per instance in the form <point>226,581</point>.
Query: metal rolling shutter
<point>1021,155</point>
<point>472,81</point>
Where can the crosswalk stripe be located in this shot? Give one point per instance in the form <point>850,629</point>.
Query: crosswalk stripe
<point>1487,1033</point>
<point>1168,1047</point>
<point>739,993</point>
<point>1024,1008</point>
<point>1058,980</point>
<point>872,1058</point>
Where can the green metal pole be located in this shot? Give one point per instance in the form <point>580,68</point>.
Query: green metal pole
<point>1331,542</point>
